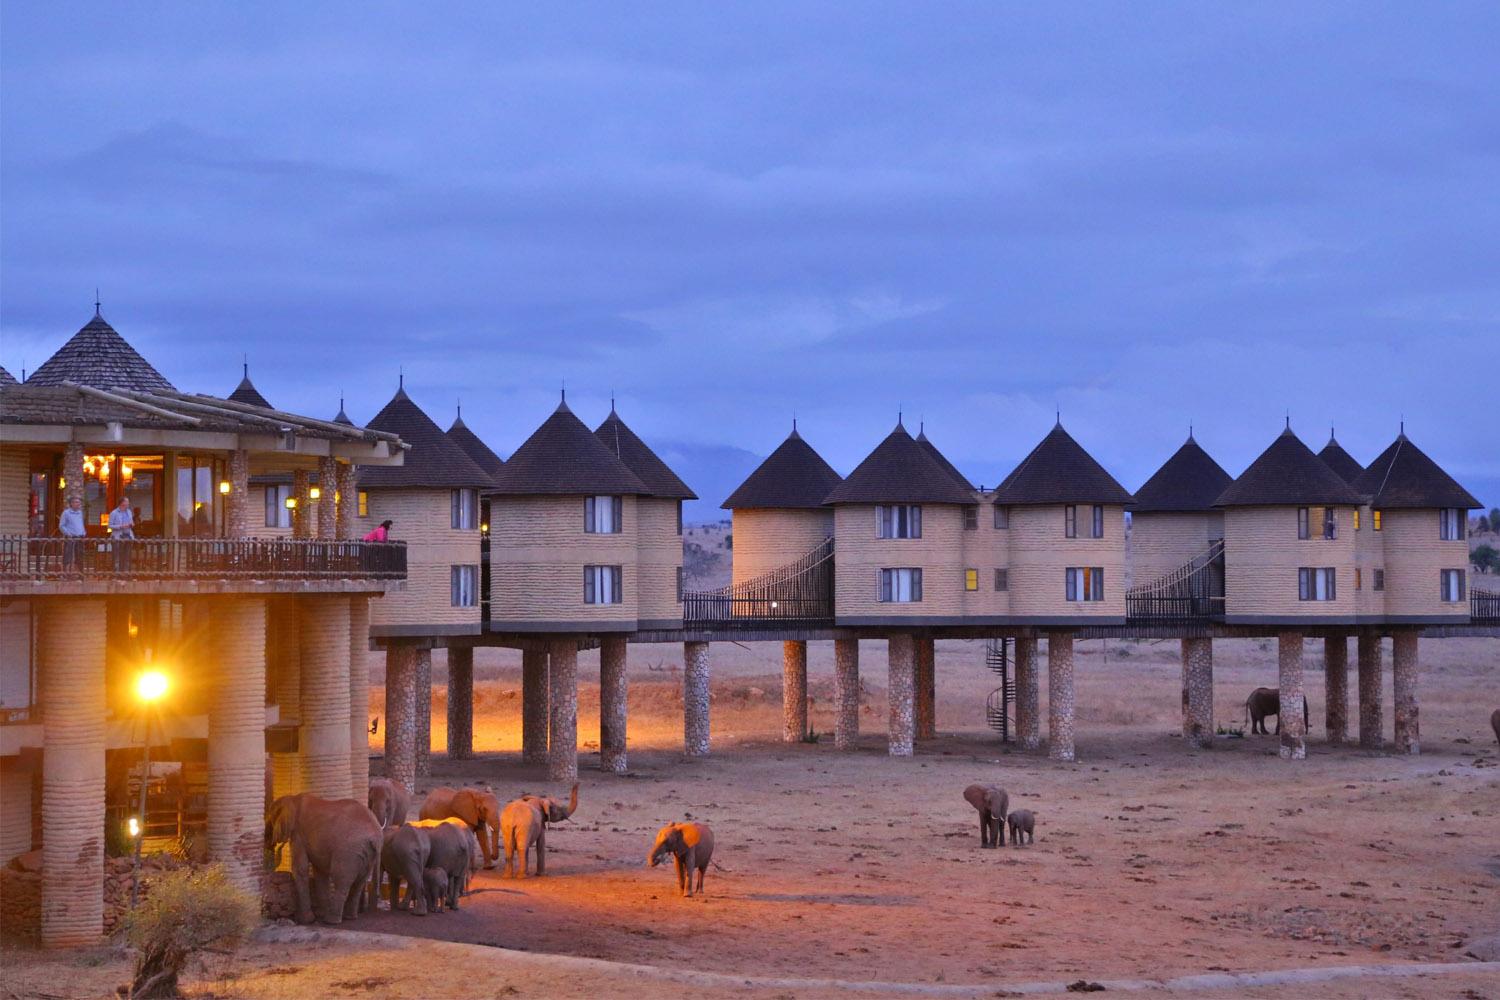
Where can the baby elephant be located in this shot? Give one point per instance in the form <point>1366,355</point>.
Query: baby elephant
<point>1021,822</point>
<point>991,801</point>
<point>436,883</point>
<point>691,845</point>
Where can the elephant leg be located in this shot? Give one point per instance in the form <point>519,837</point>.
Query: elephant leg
<point>509,871</point>
<point>984,829</point>
<point>681,867</point>
<point>541,851</point>
<point>301,875</point>
<point>416,894</point>
<point>701,872</point>
<point>455,889</point>
<point>523,847</point>
<point>1278,723</point>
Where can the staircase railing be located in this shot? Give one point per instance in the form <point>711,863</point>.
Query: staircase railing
<point>801,593</point>
<point>1191,594</point>
<point>998,705</point>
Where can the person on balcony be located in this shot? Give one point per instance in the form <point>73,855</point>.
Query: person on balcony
<point>381,533</point>
<point>70,526</point>
<point>122,531</point>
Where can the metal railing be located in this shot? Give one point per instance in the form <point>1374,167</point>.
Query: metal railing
<point>799,593</point>
<point>1191,594</point>
<point>1484,607</point>
<point>24,558</point>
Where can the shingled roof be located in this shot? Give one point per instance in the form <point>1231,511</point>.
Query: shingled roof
<point>98,356</point>
<point>246,392</point>
<point>1287,474</point>
<point>433,460</point>
<point>899,471</point>
<point>1403,476</point>
<point>941,459</point>
<point>1187,482</point>
<point>793,477</point>
<point>341,417</point>
<point>1058,470</point>
<point>1336,458</point>
<point>563,458</point>
<point>479,453</point>
<point>6,378</point>
<point>645,463</point>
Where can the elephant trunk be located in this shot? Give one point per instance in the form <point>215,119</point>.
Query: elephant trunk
<point>572,802</point>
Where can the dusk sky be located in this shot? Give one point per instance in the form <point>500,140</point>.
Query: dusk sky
<point>1148,216</point>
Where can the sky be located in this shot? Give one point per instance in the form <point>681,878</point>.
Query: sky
<point>1144,217</point>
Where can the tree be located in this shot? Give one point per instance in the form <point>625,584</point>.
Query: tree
<point>1483,525</point>
<point>1495,518</point>
<point>1486,558</point>
<point>185,913</point>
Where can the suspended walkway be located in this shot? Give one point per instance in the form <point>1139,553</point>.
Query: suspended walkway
<point>799,594</point>
<point>1191,595</point>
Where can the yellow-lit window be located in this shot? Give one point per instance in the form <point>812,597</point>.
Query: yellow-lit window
<point>1356,519</point>
<point>1375,519</point>
<point>364,504</point>
<point>971,579</point>
<point>1359,580</point>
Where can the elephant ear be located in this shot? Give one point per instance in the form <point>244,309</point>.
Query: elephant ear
<point>465,806</point>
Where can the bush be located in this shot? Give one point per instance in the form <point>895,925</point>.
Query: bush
<point>185,913</point>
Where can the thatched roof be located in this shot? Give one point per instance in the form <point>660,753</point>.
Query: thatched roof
<point>1287,474</point>
<point>564,458</point>
<point>941,459</point>
<point>1058,471</point>
<point>1404,477</point>
<point>645,463</point>
<point>899,470</point>
<point>1189,481</point>
<point>1336,458</point>
<point>479,453</point>
<point>433,461</point>
<point>246,392</point>
<point>793,477</point>
<point>98,356</point>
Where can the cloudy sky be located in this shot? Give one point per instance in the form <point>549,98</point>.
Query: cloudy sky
<point>1148,216</point>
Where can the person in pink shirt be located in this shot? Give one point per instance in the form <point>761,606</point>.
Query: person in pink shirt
<point>382,533</point>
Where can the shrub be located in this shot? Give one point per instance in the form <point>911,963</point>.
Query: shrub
<point>186,912</point>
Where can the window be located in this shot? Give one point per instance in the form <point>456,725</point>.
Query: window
<point>603,585</point>
<point>603,515</point>
<point>277,515</point>
<point>1302,523</point>
<point>364,504</point>
<point>463,586</point>
<point>1451,581</point>
<point>1098,522</point>
<point>464,510</point>
<point>971,517</point>
<point>1084,583</point>
<point>1330,524</point>
<point>971,579</point>
<point>898,521</point>
<point>1375,519</point>
<point>1356,519</point>
<point>901,586</point>
<point>1378,583</point>
<point>1002,579</point>
<point>1451,524</point>
<point>679,584</point>
<point>1070,521</point>
<point>1323,517</point>
<point>1316,584</point>
<point>1002,518</point>
<point>679,519</point>
<point>1359,579</point>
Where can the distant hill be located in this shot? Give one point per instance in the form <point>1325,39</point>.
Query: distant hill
<point>713,471</point>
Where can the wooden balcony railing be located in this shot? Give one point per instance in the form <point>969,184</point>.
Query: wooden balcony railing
<point>1484,606</point>
<point>24,558</point>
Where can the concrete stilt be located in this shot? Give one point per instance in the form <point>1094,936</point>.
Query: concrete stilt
<point>926,689</point>
<point>1404,683</point>
<point>324,735</point>
<point>1336,689</point>
<point>1293,729</point>
<point>695,730</point>
<point>288,775</point>
<point>359,698</point>
<point>1028,694</point>
<point>401,716</point>
<point>614,693</point>
<point>460,703</point>
<point>237,740</point>
<point>846,693</point>
<point>534,709</point>
<point>423,660</point>
<point>1198,692</point>
<point>1371,724</point>
<point>902,727</point>
<point>793,691</point>
<point>562,703</point>
<point>1060,696</point>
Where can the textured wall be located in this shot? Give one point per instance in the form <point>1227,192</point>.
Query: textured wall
<point>926,688</point>
<point>1262,554</point>
<point>15,487</point>
<point>1293,729</point>
<point>1060,696</point>
<point>324,737</point>
<point>401,716</point>
<point>1164,542</point>
<point>1336,689</point>
<point>237,740</point>
<point>562,730</point>
<point>359,698</point>
<point>422,659</point>
<point>538,549</point>
<point>534,711</point>
<point>901,686</point>
<point>1028,694</point>
<point>695,681</point>
<point>1040,555</point>
<point>1413,556</point>
<point>422,519</point>
<point>460,703</point>
<point>860,555</point>
<point>1371,723</point>
<point>658,558</point>
<point>1198,692</point>
<point>793,691</point>
<point>769,539</point>
<point>1404,682</point>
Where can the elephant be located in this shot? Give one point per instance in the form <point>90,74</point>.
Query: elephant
<point>476,807</point>
<point>691,846</point>
<point>523,826</point>
<point>404,858</point>
<point>335,853</point>
<point>453,852</point>
<point>1267,701</point>
<point>1495,723</point>
<point>991,801</point>
<point>436,881</point>
<point>1021,822</point>
<point>389,801</point>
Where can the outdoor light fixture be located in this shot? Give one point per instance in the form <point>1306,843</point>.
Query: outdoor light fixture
<point>62,482</point>
<point>151,685</point>
<point>484,528</point>
<point>133,827</point>
<point>291,503</point>
<point>314,493</point>
<point>225,487</point>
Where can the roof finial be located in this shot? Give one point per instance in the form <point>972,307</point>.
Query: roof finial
<point>460,404</point>
<point>400,376</point>
<point>1059,414</point>
<point>611,401</point>
<point>96,301</point>
<point>245,365</point>
<point>1190,430</point>
<point>794,421</point>
<point>1288,419</point>
<point>564,390</point>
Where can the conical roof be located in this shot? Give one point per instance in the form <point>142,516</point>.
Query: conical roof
<point>645,463</point>
<point>1287,474</point>
<point>899,471</point>
<point>431,461</point>
<point>793,477</point>
<point>98,356</point>
<point>341,417</point>
<point>479,452</point>
<point>1188,481</point>
<point>1336,458</point>
<point>941,459</point>
<point>6,378</point>
<point>1403,476</point>
<point>246,392</point>
<point>563,458</point>
<point>1058,470</point>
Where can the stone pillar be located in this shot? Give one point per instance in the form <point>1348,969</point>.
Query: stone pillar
<point>1198,692</point>
<point>793,691</point>
<point>401,716</point>
<point>1060,696</point>
<point>460,703</point>
<point>327,502</point>
<point>1293,729</point>
<point>237,514</point>
<point>302,514</point>
<point>926,693</point>
<point>73,477</point>
<point>359,698</point>
<point>1336,689</point>
<point>846,693</point>
<point>237,738</point>
<point>562,737</point>
<point>348,502</point>
<point>423,659</point>
<point>1028,694</point>
<point>324,737</point>
<point>1404,681</point>
<point>695,698</point>
<point>613,694</point>
<point>286,768</point>
<point>534,712</point>
<point>902,726</point>
<point>70,654</point>
<point>1371,724</point>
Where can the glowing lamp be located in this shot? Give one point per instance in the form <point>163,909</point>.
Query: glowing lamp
<point>126,472</point>
<point>485,528</point>
<point>291,503</point>
<point>151,685</point>
<point>133,827</point>
<point>62,482</point>
<point>314,493</point>
<point>224,487</point>
<point>773,605</point>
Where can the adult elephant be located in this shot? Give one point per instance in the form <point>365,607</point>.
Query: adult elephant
<point>993,803</point>
<point>476,807</point>
<point>450,841</point>
<point>1264,702</point>
<point>404,858</point>
<point>335,853</point>
<point>1495,723</point>
<point>389,801</point>
<point>523,827</point>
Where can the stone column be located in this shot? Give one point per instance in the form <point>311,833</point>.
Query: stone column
<point>423,659</point>
<point>926,693</point>
<point>327,502</point>
<point>534,712</point>
<point>695,698</point>
<point>359,698</point>
<point>348,501</point>
<point>70,666</point>
<point>793,691</point>
<point>324,736</point>
<point>846,693</point>
<point>562,737</point>
<point>1293,729</point>
<point>401,716</point>
<point>1198,692</point>
<point>302,514</point>
<point>287,773</point>
<point>1404,680</point>
<point>901,728</point>
<point>1028,694</point>
<point>460,703</point>
<point>237,515</point>
<point>613,694</point>
<point>73,477</point>
<point>237,738</point>
<point>1060,696</point>
<point>1371,724</point>
<point>1336,689</point>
